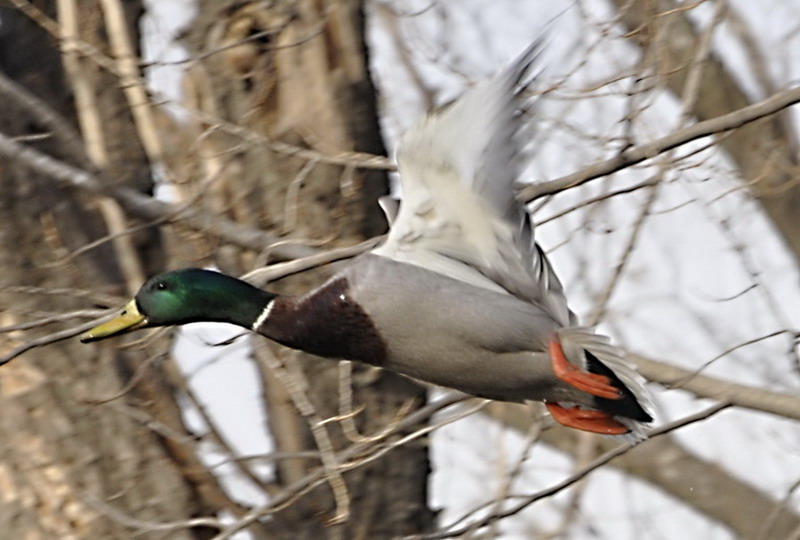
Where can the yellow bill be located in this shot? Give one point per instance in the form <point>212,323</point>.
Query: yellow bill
<point>128,319</point>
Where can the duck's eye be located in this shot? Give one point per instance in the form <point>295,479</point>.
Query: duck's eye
<point>162,286</point>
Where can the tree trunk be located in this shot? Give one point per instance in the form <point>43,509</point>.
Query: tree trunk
<point>79,458</point>
<point>296,73</point>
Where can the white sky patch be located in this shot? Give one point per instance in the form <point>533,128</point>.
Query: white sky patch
<point>161,51</point>
<point>227,384</point>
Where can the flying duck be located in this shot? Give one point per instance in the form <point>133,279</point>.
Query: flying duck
<point>459,295</point>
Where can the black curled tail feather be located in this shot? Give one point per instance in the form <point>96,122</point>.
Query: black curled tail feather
<point>595,354</point>
<point>627,405</point>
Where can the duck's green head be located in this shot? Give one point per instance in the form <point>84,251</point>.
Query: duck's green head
<point>185,296</point>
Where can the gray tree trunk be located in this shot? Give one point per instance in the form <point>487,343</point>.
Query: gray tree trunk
<point>77,458</point>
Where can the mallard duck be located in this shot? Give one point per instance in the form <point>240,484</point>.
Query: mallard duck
<point>459,294</point>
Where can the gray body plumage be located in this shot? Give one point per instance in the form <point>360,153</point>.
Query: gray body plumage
<point>444,331</point>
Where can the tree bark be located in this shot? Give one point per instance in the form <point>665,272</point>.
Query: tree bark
<point>75,463</point>
<point>297,72</point>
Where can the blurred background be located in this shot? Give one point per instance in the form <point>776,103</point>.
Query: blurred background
<point>138,136</point>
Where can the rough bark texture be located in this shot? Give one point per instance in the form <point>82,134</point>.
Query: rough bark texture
<point>71,463</point>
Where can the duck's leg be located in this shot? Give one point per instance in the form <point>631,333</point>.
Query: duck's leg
<point>592,383</point>
<point>586,420</point>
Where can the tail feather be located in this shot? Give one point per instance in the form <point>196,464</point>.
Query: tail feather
<point>595,353</point>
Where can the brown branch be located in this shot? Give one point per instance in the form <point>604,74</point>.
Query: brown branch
<point>53,318</point>
<point>650,182</point>
<point>214,433</point>
<point>48,339</point>
<point>145,207</point>
<point>272,272</point>
<point>359,160</point>
<point>134,86</point>
<point>740,395</point>
<point>141,525</point>
<point>295,384</point>
<point>638,154</point>
<point>68,139</point>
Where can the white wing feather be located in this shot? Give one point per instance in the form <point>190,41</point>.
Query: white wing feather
<point>458,215</point>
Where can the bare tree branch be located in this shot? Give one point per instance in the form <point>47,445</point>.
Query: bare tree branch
<point>700,483</point>
<point>356,450</point>
<point>149,526</point>
<point>764,152</point>
<point>740,395</point>
<point>145,207</point>
<point>638,154</point>
<point>68,138</point>
<point>572,479</point>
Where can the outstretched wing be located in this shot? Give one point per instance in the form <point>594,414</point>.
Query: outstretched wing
<point>458,215</point>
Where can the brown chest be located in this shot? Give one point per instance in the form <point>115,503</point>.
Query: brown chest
<point>326,322</point>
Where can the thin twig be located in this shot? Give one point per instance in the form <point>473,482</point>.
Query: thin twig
<point>630,245</point>
<point>531,437</point>
<point>68,139</point>
<point>330,463</point>
<point>144,525</point>
<point>216,434</point>
<point>137,376</point>
<point>692,374</point>
<point>50,319</point>
<point>273,272</point>
<point>599,198</point>
<point>575,477</point>
<point>146,207</point>
<point>637,154</point>
<point>690,92</point>
<point>780,507</point>
<point>48,339</point>
<point>315,478</point>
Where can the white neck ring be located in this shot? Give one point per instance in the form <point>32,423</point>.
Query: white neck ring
<point>263,317</point>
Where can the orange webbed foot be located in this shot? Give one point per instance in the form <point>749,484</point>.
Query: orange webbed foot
<point>586,420</point>
<point>592,383</point>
